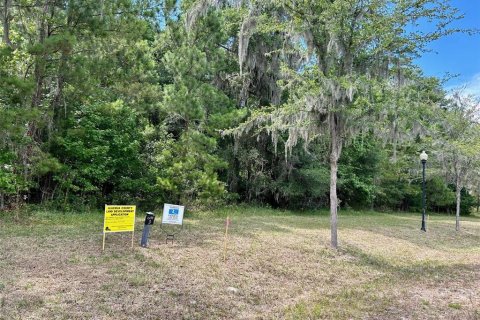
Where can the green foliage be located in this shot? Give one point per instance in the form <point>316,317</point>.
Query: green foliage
<point>100,152</point>
<point>359,166</point>
<point>130,101</point>
<point>183,151</point>
<point>7,174</point>
<point>183,168</point>
<point>261,175</point>
<point>467,202</point>
<point>439,195</point>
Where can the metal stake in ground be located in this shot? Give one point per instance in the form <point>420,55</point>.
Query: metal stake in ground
<point>172,214</point>
<point>149,220</point>
<point>423,159</point>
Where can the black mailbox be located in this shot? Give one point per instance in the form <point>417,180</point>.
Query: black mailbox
<point>150,218</point>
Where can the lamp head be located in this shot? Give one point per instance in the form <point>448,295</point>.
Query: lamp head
<point>423,156</point>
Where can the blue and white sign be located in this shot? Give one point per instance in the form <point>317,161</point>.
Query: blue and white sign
<point>172,214</point>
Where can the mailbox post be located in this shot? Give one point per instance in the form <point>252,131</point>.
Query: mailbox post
<point>149,220</point>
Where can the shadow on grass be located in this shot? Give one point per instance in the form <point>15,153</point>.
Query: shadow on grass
<point>404,227</point>
<point>419,270</point>
<point>250,221</point>
<point>439,236</point>
<point>377,297</point>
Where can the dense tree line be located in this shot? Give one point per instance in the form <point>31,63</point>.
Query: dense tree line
<point>276,102</point>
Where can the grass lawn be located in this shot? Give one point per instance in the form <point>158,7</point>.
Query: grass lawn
<point>279,266</point>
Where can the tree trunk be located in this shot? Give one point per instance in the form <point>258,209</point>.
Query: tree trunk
<point>478,202</point>
<point>394,156</point>
<point>333,202</point>
<point>59,89</point>
<point>39,79</point>
<point>335,150</point>
<point>39,71</point>
<point>457,214</point>
<point>17,206</point>
<point>2,201</point>
<point>478,198</point>
<point>234,177</point>
<point>6,23</point>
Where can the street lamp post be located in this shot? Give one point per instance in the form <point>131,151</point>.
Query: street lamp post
<point>423,159</point>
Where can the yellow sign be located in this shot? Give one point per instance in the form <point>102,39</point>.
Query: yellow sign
<point>119,219</point>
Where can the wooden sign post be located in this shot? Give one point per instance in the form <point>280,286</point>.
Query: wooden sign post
<point>227,224</point>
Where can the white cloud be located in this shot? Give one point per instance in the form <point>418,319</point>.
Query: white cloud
<point>470,87</point>
<point>470,91</point>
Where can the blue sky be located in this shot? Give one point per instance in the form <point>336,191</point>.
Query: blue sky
<point>457,53</point>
